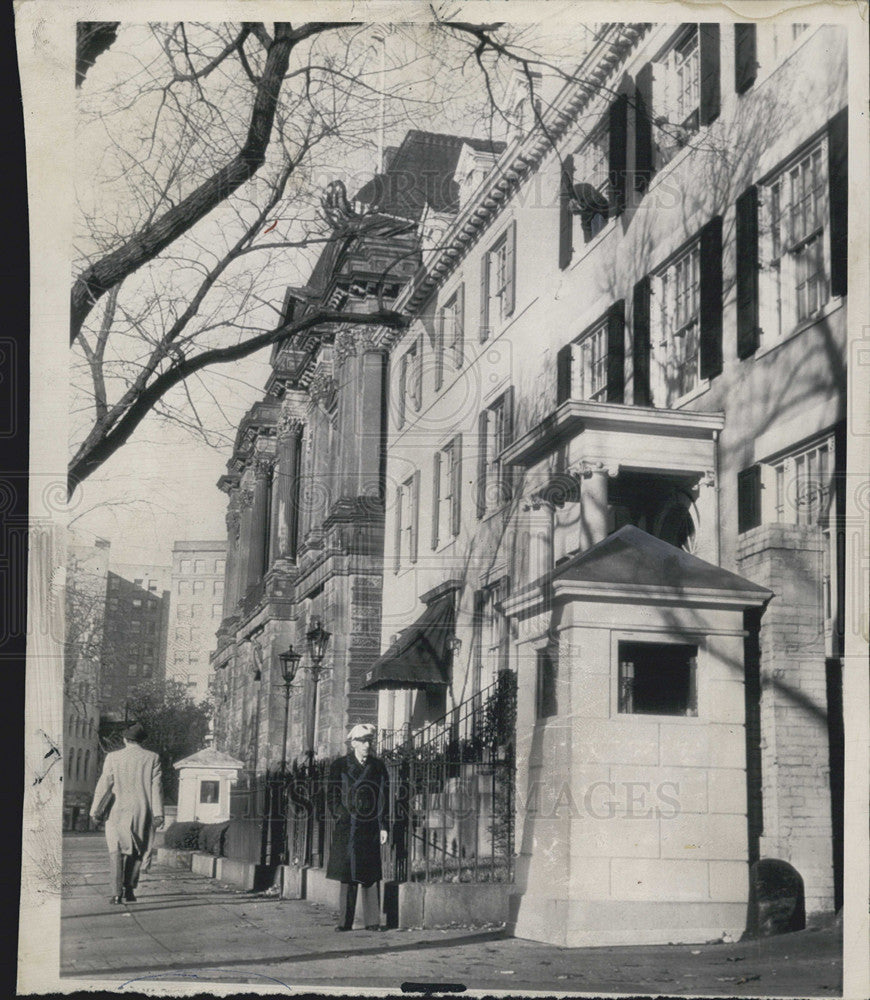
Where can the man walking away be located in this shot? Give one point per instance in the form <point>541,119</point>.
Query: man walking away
<point>132,776</point>
<point>357,797</point>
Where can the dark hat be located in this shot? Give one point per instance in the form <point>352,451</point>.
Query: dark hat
<point>136,733</point>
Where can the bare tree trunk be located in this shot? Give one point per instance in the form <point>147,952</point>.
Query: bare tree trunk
<point>143,246</point>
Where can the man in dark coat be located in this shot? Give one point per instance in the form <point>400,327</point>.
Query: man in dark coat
<point>358,801</point>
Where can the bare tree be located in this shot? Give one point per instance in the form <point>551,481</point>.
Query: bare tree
<point>188,246</point>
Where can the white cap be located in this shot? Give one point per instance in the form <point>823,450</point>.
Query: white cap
<point>361,731</point>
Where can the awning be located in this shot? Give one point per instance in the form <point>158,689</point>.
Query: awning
<point>420,657</point>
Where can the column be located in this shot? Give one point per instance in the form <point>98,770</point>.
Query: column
<point>539,524</point>
<point>594,508</point>
<point>230,595</point>
<point>246,499</point>
<point>285,489</point>
<point>360,414</point>
<point>258,520</point>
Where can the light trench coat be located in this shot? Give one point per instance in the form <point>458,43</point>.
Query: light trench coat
<point>133,776</point>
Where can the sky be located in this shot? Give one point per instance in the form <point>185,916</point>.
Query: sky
<point>161,486</point>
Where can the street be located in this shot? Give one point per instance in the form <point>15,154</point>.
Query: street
<point>187,927</point>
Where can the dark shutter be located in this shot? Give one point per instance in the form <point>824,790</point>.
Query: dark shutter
<point>563,373</point>
<point>482,425</point>
<point>749,498</point>
<point>397,540</point>
<point>640,328</point>
<point>618,161</point>
<point>747,272</point>
<point>415,514</point>
<point>711,298</point>
<point>616,352</point>
<point>436,495</point>
<point>440,348</point>
<point>510,294</point>
<point>459,334</point>
<point>745,58</point>
<point>403,388</point>
<point>643,132</point>
<point>456,486</point>
<point>484,297</point>
<point>507,472</point>
<point>838,180</point>
<point>566,216</point>
<point>710,72</point>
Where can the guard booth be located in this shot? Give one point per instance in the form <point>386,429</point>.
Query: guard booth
<point>631,793</point>
<point>204,782</point>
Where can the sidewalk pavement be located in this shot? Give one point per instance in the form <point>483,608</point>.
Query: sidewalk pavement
<point>187,927</point>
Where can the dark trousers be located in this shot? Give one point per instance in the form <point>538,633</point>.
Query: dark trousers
<point>124,871</point>
<point>347,904</point>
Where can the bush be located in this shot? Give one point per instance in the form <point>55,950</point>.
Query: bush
<point>183,836</point>
<point>211,838</point>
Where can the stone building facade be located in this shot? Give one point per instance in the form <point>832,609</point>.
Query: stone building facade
<point>616,445</point>
<point>305,483</point>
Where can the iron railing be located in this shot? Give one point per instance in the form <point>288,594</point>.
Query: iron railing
<point>451,800</point>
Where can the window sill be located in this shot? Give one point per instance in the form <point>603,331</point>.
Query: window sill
<point>682,401</point>
<point>680,720</point>
<point>829,309</point>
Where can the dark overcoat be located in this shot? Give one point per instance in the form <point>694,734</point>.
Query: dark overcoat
<point>357,798</point>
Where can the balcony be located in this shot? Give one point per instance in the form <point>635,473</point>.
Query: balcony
<point>634,438</point>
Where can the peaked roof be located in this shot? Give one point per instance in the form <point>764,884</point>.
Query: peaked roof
<point>631,556</point>
<point>420,173</point>
<point>209,757</point>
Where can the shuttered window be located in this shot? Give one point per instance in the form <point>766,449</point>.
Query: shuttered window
<point>446,492</point>
<point>495,430</point>
<point>711,299</point>
<point>498,283</point>
<point>749,498</point>
<point>640,338</point>
<point>747,272</point>
<point>745,57</point>
<point>592,366</point>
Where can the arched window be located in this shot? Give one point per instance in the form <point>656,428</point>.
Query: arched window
<point>78,764</point>
<point>87,764</point>
<point>69,766</point>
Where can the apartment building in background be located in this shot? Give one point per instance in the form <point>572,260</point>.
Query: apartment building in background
<point>195,612</point>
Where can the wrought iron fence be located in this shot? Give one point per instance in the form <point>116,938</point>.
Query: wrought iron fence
<point>451,801</point>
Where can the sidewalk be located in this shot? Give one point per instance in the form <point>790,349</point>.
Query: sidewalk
<point>186,926</point>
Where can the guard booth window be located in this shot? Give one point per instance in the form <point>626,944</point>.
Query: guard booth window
<point>209,792</point>
<point>657,678</point>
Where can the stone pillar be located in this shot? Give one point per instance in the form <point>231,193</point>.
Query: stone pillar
<point>231,596</point>
<point>246,499</point>
<point>539,522</point>
<point>256,563</point>
<point>285,489</point>
<point>594,510</point>
<point>795,762</point>
<point>361,366</point>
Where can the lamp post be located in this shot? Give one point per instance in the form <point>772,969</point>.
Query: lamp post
<point>289,666</point>
<point>317,639</point>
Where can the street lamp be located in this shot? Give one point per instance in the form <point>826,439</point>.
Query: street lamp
<point>289,665</point>
<point>317,639</point>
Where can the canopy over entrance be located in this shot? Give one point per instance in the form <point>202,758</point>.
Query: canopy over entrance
<point>420,657</point>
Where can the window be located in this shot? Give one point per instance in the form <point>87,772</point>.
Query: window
<point>497,283</point>
<point>209,792</point>
<point>198,586</point>
<point>136,625</point>
<point>183,611</point>
<point>220,566</point>
<point>136,602</point>
<point>592,367</point>
<point>657,678</point>
<point>794,280</point>
<point>546,703</point>
<point>678,345</point>
<point>184,567</point>
<point>138,581</point>
<point>218,588</point>
<point>147,669</point>
<point>151,628</point>
<point>184,587</point>
<point>217,610</point>
<point>152,586</point>
<point>407,513</point>
<point>447,492</point>
<point>491,635</point>
<point>148,649</point>
<point>495,433</point>
<point>675,95</point>
<point>803,484</point>
<point>592,182</point>
<point>450,336</point>
<point>180,657</point>
<point>114,583</point>
<point>199,565</point>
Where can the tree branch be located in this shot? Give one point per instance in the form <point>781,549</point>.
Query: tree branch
<point>146,244</point>
<point>88,463</point>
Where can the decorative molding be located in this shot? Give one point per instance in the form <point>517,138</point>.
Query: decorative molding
<point>709,479</point>
<point>246,498</point>
<point>354,341</point>
<point>586,469</point>
<point>289,427</point>
<point>263,464</point>
<point>323,390</point>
